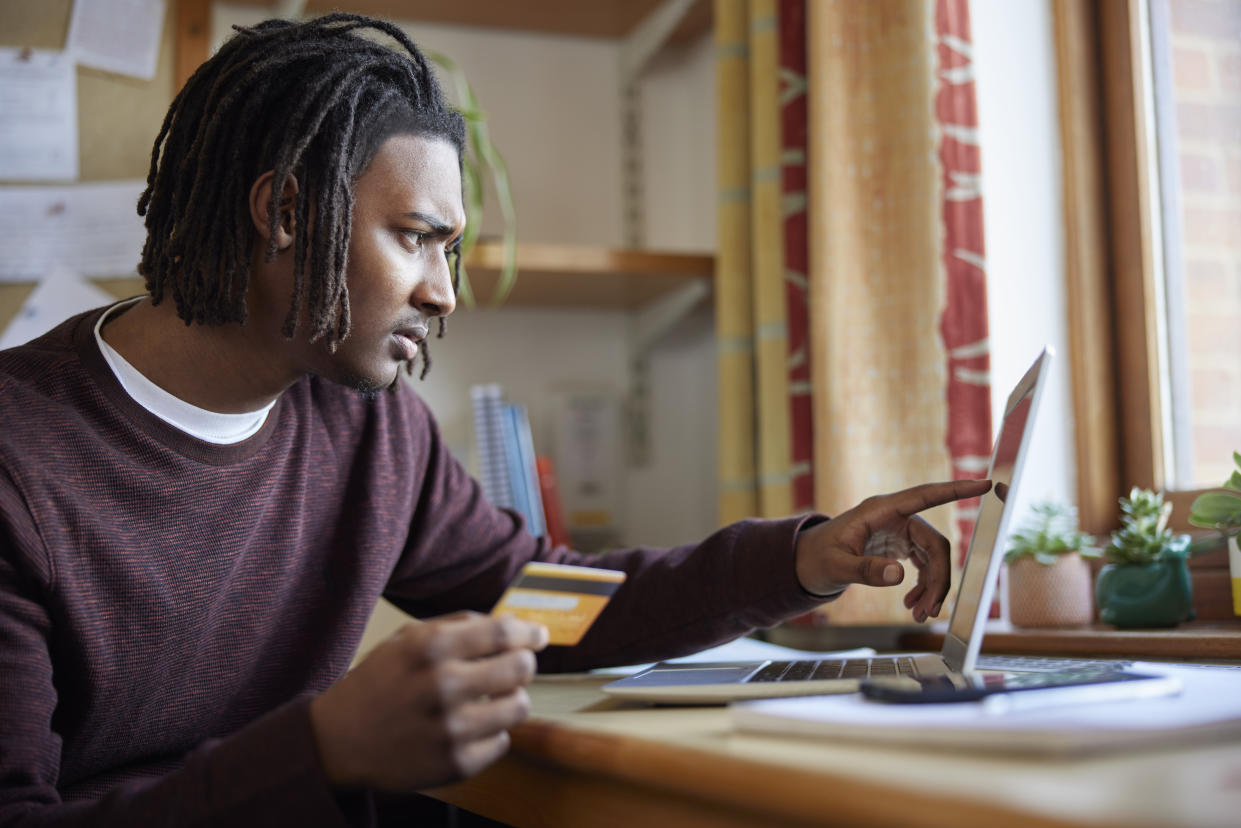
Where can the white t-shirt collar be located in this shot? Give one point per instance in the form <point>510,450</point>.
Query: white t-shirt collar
<point>211,426</point>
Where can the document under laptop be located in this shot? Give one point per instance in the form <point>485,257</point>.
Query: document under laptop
<point>716,683</point>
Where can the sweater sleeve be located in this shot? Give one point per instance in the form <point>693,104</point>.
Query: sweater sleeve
<point>264,774</point>
<point>462,552</point>
<point>681,600</point>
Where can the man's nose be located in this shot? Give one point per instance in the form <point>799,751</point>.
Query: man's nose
<point>434,295</point>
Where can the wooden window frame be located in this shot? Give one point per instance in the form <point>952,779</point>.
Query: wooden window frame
<point>1110,260</point>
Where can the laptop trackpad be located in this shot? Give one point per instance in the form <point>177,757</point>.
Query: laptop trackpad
<point>693,674</point>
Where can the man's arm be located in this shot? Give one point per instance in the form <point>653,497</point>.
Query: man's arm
<point>751,574</point>
<point>267,773</point>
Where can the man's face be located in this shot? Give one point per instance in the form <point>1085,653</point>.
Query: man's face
<point>407,211</point>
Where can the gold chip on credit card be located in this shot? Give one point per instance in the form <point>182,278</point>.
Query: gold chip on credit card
<point>565,599</point>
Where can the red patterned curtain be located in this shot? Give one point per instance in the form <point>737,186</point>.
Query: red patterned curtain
<point>963,324</point>
<point>792,17</point>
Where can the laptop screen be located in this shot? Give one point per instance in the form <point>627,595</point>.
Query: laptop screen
<point>979,576</point>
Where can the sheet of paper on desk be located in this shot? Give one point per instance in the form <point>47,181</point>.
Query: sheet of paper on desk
<point>1208,708</point>
<point>745,649</point>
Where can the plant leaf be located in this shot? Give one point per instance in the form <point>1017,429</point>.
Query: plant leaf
<point>1206,543</point>
<point>1234,482</point>
<point>1216,510</point>
<point>482,154</point>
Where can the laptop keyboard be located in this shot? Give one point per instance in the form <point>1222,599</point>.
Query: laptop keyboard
<point>1046,664</point>
<point>828,669</point>
<point>1054,664</point>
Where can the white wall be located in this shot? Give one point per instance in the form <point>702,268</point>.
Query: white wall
<point>678,98</point>
<point>551,105</point>
<point>1022,204</point>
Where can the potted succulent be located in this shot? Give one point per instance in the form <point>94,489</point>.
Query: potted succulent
<point>1048,575</point>
<point>1147,582</point>
<point>1221,510</point>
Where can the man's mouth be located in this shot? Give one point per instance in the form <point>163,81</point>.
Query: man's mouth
<point>407,340</point>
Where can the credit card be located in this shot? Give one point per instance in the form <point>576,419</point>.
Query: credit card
<point>565,599</point>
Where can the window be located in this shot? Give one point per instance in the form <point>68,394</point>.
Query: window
<point>1195,73</point>
<point>1152,175</point>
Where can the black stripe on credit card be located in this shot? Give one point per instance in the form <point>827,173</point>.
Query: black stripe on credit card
<point>584,586</point>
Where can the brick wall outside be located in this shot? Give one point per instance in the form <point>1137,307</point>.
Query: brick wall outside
<point>1206,69</point>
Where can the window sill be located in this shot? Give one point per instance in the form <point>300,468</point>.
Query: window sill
<point>1199,641</point>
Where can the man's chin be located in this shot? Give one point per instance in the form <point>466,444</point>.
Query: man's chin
<point>371,384</point>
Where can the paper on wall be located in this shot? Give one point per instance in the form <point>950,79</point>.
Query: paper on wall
<point>588,457</point>
<point>38,116</point>
<point>117,35</point>
<point>60,295</point>
<point>89,229</point>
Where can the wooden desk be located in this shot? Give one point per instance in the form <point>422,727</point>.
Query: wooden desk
<point>585,760</point>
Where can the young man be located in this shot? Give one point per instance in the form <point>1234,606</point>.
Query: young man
<point>204,491</point>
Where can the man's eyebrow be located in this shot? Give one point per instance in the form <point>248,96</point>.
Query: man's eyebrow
<point>438,226</point>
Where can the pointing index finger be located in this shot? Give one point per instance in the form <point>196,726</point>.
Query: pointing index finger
<point>910,502</point>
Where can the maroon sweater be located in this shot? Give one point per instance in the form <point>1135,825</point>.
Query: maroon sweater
<point>168,606</point>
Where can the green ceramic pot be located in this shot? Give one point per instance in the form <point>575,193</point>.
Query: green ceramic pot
<point>1145,595</point>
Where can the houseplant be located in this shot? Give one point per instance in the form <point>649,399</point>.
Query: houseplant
<point>1048,575</point>
<point>1147,582</point>
<point>1221,510</point>
<point>480,160</point>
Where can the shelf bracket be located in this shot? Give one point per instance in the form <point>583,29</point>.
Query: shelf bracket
<point>635,52</point>
<point>647,326</point>
<point>649,36</point>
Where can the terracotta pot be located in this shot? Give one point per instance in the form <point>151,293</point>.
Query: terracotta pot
<point>1058,595</point>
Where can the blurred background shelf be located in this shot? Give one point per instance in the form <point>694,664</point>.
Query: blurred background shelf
<point>596,18</point>
<point>583,276</point>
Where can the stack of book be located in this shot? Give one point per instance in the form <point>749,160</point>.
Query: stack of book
<point>508,469</point>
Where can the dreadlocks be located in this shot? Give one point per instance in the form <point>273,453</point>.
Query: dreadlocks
<point>312,101</point>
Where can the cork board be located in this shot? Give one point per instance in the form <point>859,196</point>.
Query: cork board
<point>118,118</point>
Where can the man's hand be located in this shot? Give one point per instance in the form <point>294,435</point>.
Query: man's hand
<point>862,545</point>
<point>430,705</point>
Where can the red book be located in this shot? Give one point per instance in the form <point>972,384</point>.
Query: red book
<point>553,513</point>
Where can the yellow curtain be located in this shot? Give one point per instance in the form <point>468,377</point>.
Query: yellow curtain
<point>876,280</point>
<point>754,417</point>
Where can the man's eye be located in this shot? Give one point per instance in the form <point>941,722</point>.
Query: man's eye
<point>415,236</point>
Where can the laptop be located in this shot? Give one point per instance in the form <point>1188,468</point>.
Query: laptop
<point>720,682</point>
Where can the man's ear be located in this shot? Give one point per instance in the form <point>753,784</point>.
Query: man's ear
<point>260,197</point>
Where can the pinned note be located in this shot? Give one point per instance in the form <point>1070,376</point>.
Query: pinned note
<point>117,35</point>
<point>38,116</point>
<point>89,229</point>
